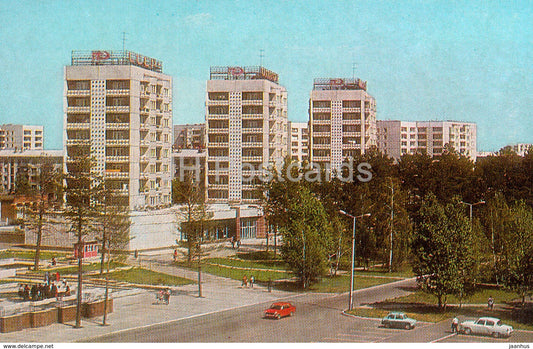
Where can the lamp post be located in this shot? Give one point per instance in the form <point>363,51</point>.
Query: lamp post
<point>470,205</point>
<point>350,304</point>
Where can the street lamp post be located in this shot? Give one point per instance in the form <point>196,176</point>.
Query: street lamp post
<point>470,205</point>
<point>350,304</point>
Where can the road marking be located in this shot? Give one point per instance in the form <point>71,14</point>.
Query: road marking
<point>439,339</point>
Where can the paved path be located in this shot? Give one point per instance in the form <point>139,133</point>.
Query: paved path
<point>136,309</point>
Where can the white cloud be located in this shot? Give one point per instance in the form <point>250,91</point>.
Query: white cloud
<point>198,19</point>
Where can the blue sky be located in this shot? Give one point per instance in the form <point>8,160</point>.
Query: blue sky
<point>423,60</point>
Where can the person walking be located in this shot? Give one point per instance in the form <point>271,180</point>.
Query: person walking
<point>455,324</point>
<point>252,280</point>
<point>490,303</point>
<point>244,281</point>
<point>175,255</point>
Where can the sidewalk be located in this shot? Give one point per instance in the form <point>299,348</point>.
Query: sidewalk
<point>136,308</point>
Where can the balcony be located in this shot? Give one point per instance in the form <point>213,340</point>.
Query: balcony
<point>351,110</point>
<point>252,158</point>
<point>220,172</point>
<point>116,174</point>
<point>118,93</point>
<point>273,104</point>
<point>351,146</point>
<point>86,109</point>
<point>252,144</point>
<point>218,186</point>
<point>217,116</point>
<point>78,125</point>
<point>320,122</point>
<point>351,134</point>
<point>252,130</point>
<point>320,110</point>
<point>351,121</point>
<point>117,142</point>
<point>78,93</point>
<point>252,116</point>
<point>252,102</point>
<point>222,158</point>
<point>220,102</point>
<point>321,146</point>
<point>218,131</point>
<point>78,142</point>
<point>118,108</point>
<point>322,158</point>
<point>117,126</point>
<point>218,144</point>
<point>322,134</point>
<point>117,158</point>
<point>144,111</point>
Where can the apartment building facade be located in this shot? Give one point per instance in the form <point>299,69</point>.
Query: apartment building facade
<point>298,143</point>
<point>397,138</point>
<point>246,126</point>
<point>342,121</point>
<point>21,137</point>
<point>14,163</point>
<point>190,136</point>
<point>118,109</point>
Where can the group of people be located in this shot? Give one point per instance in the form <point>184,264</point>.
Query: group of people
<point>164,296</point>
<point>248,281</point>
<point>42,291</point>
<point>455,321</point>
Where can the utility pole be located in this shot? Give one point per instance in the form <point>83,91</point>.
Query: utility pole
<point>391,222</point>
<point>303,239</point>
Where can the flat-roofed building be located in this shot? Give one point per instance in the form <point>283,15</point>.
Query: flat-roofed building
<point>21,137</point>
<point>246,124</point>
<point>118,109</point>
<point>298,142</point>
<point>397,138</point>
<point>342,121</point>
<point>189,136</point>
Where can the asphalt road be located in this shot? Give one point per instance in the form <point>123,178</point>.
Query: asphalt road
<point>318,318</point>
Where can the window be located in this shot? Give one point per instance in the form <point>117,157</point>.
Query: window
<point>321,104</point>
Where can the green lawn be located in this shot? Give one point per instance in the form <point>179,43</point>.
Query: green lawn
<point>423,307</point>
<point>237,274</point>
<point>148,277</point>
<point>479,297</point>
<point>43,255</point>
<point>241,263</point>
<point>341,283</point>
<point>73,269</point>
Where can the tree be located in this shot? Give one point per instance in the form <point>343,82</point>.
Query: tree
<point>306,236</point>
<point>82,192</point>
<point>47,189</point>
<point>517,249</point>
<point>444,249</point>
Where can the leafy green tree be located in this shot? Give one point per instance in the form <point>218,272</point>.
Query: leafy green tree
<point>517,249</point>
<point>306,236</point>
<point>444,249</point>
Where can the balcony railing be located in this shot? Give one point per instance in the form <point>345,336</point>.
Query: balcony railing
<point>118,92</point>
<point>117,142</point>
<point>86,109</point>
<point>77,93</point>
<point>118,126</point>
<point>252,130</point>
<point>116,158</point>
<point>118,108</point>
<point>78,125</point>
<point>252,116</point>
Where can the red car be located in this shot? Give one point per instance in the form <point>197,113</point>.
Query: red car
<point>280,309</point>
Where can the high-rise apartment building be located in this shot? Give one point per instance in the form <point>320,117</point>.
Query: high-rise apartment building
<point>246,123</point>
<point>342,121</point>
<point>21,137</point>
<point>118,109</point>
<point>396,138</point>
<point>298,143</point>
<point>189,136</point>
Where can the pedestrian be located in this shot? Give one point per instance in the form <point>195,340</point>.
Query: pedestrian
<point>26,292</point>
<point>238,243</point>
<point>47,277</point>
<point>34,292</point>
<point>53,291</point>
<point>175,255</point>
<point>252,280</point>
<point>21,291</point>
<point>54,261</point>
<point>233,240</point>
<point>166,296</point>
<point>244,281</point>
<point>455,324</point>
<point>490,303</point>
<point>57,276</point>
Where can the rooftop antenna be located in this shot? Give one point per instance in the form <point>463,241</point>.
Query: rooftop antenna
<point>261,56</point>
<point>123,43</point>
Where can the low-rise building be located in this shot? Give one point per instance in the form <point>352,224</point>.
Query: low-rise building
<point>21,137</point>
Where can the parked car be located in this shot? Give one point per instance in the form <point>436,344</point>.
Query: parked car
<point>280,309</point>
<point>489,326</point>
<point>398,320</point>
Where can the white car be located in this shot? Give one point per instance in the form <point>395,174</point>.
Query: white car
<point>489,326</point>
